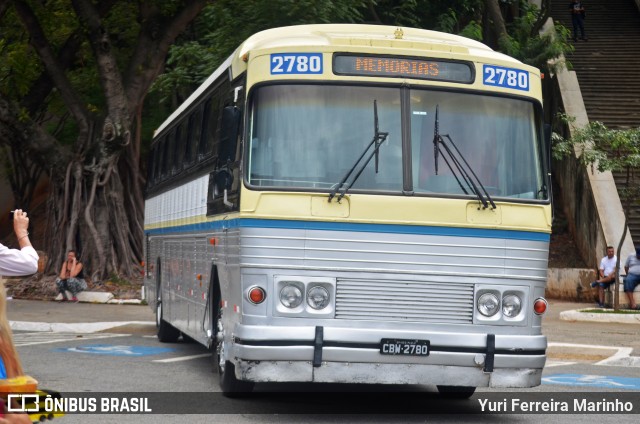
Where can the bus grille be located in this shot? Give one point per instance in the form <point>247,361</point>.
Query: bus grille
<point>408,301</point>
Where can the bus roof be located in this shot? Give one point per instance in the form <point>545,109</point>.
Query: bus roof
<point>347,35</point>
<point>367,35</point>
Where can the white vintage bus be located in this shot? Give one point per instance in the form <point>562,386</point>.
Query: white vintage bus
<point>355,203</point>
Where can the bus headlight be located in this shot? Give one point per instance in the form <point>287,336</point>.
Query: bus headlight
<point>511,305</point>
<point>291,296</point>
<point>488,304</point>
<point>317,297</point>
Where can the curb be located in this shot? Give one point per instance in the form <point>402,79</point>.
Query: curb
<point>101,297</point>
<point>577,315</point>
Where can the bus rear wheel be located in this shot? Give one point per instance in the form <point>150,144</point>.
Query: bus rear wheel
<point>229,384</point>
<point>456,392</point>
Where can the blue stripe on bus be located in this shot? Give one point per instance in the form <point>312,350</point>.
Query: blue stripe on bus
<point>347,226</point>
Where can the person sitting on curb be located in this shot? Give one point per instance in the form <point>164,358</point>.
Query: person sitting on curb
<point>71,277</point>
<point>632,269</point>
<point>607,272</point>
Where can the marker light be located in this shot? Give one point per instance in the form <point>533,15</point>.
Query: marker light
<point>256,295</point>
<point>540,306</point>
<point>291,296</point>
<point>318,297</point>
<point>488,304</point>
<point>511,305</point>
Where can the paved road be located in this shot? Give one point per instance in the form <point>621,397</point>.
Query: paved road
<point>126,354</point>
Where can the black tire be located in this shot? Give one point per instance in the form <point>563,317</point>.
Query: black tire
<point>229,384</point>
<point>456,392</point>
<point>167,333</point>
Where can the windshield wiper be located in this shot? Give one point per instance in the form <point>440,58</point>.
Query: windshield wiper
<point>378,138</point>
<point>462,168</point>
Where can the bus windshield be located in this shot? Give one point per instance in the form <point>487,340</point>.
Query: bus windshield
<point>307,137</point>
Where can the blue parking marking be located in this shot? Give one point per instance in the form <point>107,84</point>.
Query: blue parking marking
<point>601,381</point>
<point>117,350</point>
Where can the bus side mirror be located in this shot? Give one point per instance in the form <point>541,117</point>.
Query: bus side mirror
<point>229,129</point>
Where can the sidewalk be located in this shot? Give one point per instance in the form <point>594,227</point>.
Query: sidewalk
<point>36,315</point>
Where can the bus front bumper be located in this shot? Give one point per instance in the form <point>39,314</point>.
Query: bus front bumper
<point>347,355</point>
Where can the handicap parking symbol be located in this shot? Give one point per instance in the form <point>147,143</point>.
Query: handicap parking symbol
<point>602,381</point>
<point>117,350</point>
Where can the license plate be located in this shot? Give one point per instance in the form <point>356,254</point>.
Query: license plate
<point>404,347</point>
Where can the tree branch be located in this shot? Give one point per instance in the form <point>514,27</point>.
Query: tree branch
<point>118,122</point>
<point>67,54</point>
<point>56,72</point>
<point>155,36</point>
<point>545,12</point>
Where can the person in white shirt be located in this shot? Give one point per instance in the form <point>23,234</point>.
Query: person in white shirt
<point>23,261</point>
<point>13,263</point>
<point>607,273</point>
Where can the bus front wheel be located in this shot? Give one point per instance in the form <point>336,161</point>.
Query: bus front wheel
<point>229,384</point>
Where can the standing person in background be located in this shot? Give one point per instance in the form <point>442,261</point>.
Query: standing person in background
<point>13,262</point>
<point>632,269</point>
<point>577,19</point>
<point>71,277</point>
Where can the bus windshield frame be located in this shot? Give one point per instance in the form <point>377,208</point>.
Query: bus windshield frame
<point>305,137</point>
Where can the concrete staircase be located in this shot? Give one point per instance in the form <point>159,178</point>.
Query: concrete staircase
<point>608,68</point>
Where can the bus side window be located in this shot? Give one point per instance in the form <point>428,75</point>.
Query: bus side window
<point>193,135</point>
<point>150,165</point>
<point>211,131</point>
<point>229,128</point>
<point>179,148</point>
<point>164,161</point>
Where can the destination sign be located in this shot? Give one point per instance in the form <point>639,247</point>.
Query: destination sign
<point>400,67</point>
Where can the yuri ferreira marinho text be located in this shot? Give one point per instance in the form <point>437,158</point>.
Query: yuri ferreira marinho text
<point>551,405</point>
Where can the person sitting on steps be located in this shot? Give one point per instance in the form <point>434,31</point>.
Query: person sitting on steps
<point>71,277</point>
<point>607,273</point>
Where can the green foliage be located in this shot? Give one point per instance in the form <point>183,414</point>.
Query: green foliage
<point>532,48</point>
<point>597,145</point>
<point>119,281</point>
<point>473,30</point>
<point>223,25</point>
<point>603,149</point>
<point>461,18</point>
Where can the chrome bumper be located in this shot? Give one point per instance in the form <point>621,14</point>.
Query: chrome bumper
<point>347,355</point>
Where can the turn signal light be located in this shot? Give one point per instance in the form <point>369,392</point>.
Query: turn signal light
<point>540,306</point>
<point>256,295</point>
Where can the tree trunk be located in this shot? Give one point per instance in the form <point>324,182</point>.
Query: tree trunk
<point>96,200</point>
<point>497,21</point>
